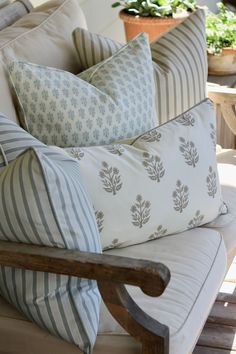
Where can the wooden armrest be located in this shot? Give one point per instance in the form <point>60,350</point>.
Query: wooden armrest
<point>111,273</point>
<point>151,277</point>
<point>226,98</point>
<point>221,94</point>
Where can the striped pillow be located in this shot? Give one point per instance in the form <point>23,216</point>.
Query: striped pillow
<point>42,203</point>
<point>15,140</point>
<point>179,61</point>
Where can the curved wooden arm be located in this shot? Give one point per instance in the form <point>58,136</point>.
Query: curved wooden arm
<point>111,272</point>
<point>226,98</point>
<point>151,277</point>
<point>153,335</point>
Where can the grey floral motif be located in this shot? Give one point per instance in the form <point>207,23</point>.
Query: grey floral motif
<point>105,109</point>
<point>197,220</point>
<point>100,220</point>
<point>211,183</point>
<point>111,178</point>
<point>140,212</point>
<point>189,152</point>
<point>116,149</point>
<point>161,231</point>
<point>180,196</point>
<point>151,136</point>
<point>77,153</point>
<point>186,119</point>
<point>114,244</point>
<point>153,166</point>
<point>213,136</point>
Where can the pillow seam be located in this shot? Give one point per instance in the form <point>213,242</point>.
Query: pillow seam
<point>35,28</point>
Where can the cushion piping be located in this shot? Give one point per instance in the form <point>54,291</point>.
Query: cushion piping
<point>38,26</point>
<point>202,286</point>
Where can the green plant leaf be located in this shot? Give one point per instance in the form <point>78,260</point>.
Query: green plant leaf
<point>116,4</point>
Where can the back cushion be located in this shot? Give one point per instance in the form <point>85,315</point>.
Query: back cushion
<point>44,37</point>
<point>179,62</point>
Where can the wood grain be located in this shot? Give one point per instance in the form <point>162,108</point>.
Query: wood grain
<point>111,272</point>
<point>223,313</point>
<point>151,277</point>
<point>225,100</point>
<point>207,350</point>
<point>218,336</point>
<point>153,335</point>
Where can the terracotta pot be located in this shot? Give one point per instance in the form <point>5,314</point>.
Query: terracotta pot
<point>154,26</point>
<point>222,64</point>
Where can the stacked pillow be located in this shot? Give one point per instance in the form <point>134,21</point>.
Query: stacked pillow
<point>43,36</point>
<point>164,182</point>
<point>179,63</point>
<point>176,183</point>
<point>113,100</point>
<point>44,202</point>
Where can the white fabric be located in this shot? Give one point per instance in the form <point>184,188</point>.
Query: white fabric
<point>226,224</point>
<point>128,183</point>
<point>197,261</point>
<point>44,36</point>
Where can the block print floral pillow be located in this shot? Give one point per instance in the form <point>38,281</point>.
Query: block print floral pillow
<point>111,101</point>
<point>165,182</point>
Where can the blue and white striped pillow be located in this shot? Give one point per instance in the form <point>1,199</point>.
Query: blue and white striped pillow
<point>179,62</point>
<point>42,202</point>
<point>15,140</point>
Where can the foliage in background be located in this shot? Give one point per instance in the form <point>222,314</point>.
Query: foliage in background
<point>220,30</point>
<point>156,8</point>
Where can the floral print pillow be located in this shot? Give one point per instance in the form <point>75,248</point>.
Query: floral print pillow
<point>165,182</point>
<point>113,100</point>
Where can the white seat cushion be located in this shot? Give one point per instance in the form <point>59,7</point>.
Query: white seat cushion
<point>197,261</point>
<point>226,224</point>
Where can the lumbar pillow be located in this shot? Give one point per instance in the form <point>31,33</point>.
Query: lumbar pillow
<point>15,140</point>
<point>113,101</point>
<point>44,203</point>
<point>165,182</point>
<point>179,62</point>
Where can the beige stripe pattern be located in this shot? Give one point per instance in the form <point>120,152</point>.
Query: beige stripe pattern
<point>179,62</point>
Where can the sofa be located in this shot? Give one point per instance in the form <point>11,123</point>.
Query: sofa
<point>156,295</point>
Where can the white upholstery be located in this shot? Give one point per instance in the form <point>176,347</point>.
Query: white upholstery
<point>197,261</point>
<point>227,223</point>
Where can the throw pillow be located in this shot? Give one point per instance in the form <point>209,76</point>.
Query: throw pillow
<point>179,62</point>
<point>165,182</point>
<point>115,102</point>
<point>43,36</point>
<point>15,140</point>
<point>43,202</point>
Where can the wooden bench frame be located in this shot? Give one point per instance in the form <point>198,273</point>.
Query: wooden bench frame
<point>112,272</point>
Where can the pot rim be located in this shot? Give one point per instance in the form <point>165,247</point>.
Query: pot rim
<point>226,51</point>
<point>151,20</point>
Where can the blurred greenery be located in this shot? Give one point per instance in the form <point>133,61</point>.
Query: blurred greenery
<point>220,30</point>
<point>156,8</point>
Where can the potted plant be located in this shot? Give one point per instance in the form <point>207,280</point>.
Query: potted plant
<point>153,16</point>
<point>221,41</point>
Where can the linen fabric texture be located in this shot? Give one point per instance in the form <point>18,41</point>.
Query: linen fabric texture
<point>165,182</point>
<point>43,202</point>
<point>179,62</point>
<point>114,100</point>
<point>14,140</point>
<point>43,36</point>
